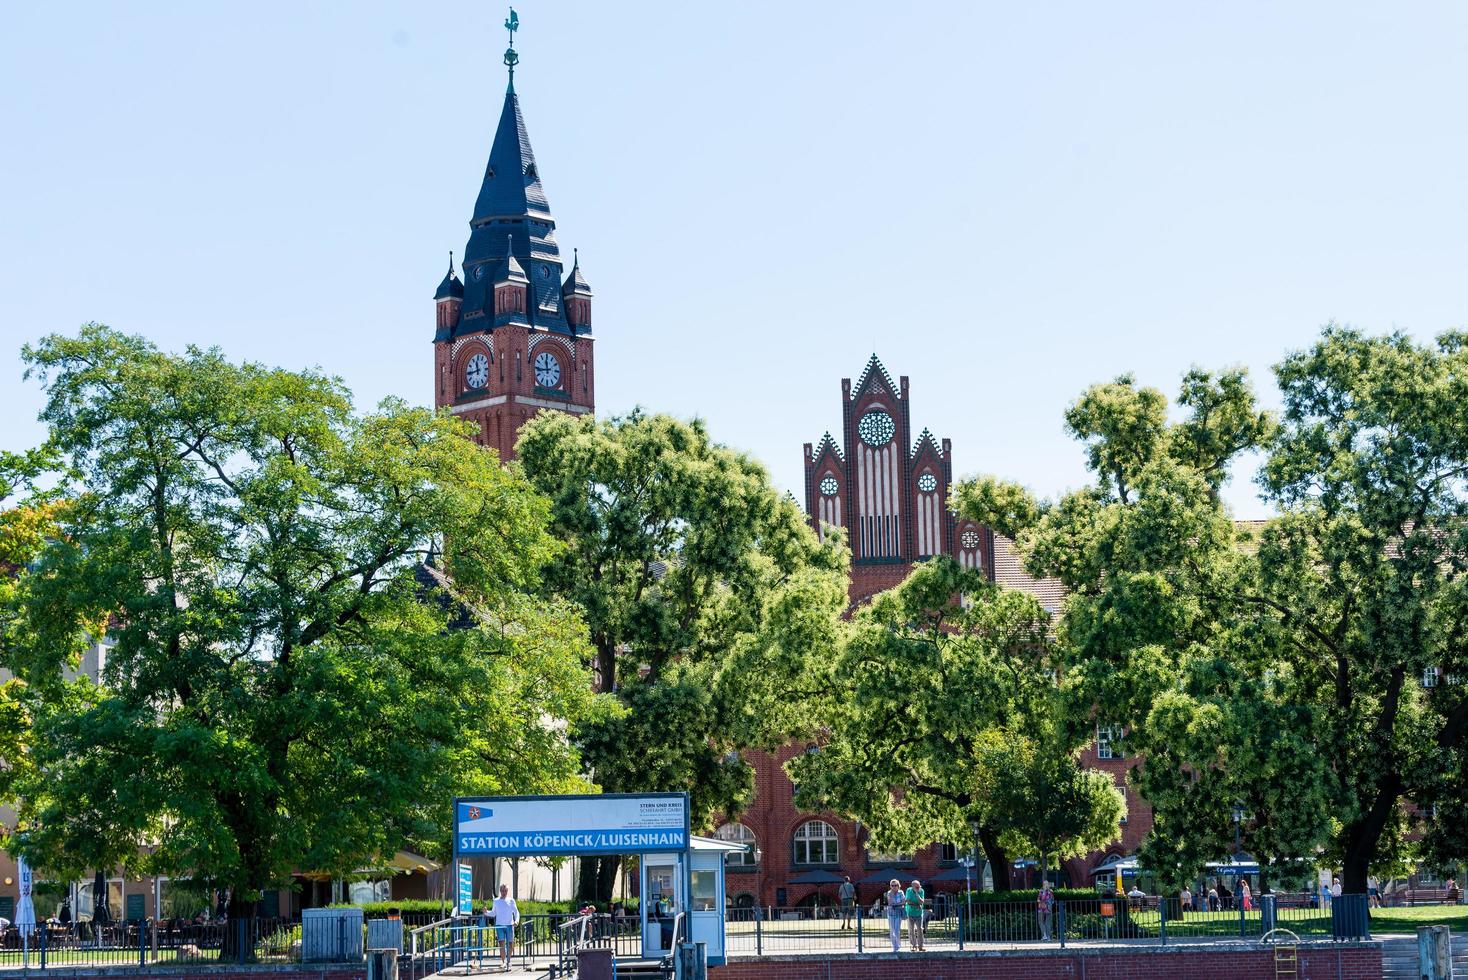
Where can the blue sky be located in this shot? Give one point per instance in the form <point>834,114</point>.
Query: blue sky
<point>1005,202</point>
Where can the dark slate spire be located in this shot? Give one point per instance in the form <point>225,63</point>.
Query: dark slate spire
<point>575,283</point>
<point>511,271</point>
<point>451,287</point>
<point>511,187</point>
<point>513,226</point>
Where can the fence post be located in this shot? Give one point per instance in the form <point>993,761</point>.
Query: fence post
<point>759,932</point>
<point>962,927</point>
<point>1162,917</point>
<point>43,947</point>
<point>858,927</point>
<point>1060,918</point>
<point>1239,900</point>
<point>142,943</point>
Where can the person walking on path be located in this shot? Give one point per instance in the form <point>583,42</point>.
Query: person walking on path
<point>506,917</point>
<point>896,901</point>
<point>1246,896</point>
<point>1044,906</point>
<point>846,894</point>
<point>916,901</point>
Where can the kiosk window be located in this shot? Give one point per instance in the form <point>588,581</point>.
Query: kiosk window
<point>705,898</point>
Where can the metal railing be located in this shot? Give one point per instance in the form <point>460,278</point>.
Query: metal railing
<point>1099,920</point>
<point>148,942</point>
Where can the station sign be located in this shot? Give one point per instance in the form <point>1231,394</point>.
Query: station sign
<point>606,823</point>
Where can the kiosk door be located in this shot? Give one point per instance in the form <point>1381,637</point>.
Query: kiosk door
<point>662,888</point>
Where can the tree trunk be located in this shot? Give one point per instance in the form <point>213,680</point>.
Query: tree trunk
<point>596,879</point>
<point>606,879</point>
<point>998,859</point>
<point>241,924</point>
<point>1362,837</point>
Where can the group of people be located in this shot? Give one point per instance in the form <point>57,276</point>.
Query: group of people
<point>910,904</point>
<point>1218,897</point>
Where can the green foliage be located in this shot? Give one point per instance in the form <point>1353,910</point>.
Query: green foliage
<point>1278,668</point>
<point>709,601</point>
<point>280,693</point>
<point>937,713</point>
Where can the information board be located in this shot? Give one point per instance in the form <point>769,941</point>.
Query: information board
<point>608,823</point>
<point>466,890</point>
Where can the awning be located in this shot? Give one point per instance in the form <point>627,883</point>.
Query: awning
<point>817,878</point>
<point>1127,867</point>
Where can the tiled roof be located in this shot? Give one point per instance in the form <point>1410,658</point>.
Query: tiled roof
<point>1009,571</point>
<point>511,181</point>
<point>576,282</point>
<point>451,287</point>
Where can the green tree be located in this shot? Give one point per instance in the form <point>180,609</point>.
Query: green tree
<point>1362,576</point>
<point>707,596</point>
<point>281,691</point>
<point>1153,642</point>
<point>937,715</point>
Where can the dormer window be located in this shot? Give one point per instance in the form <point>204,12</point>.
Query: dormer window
<point>530,171</point>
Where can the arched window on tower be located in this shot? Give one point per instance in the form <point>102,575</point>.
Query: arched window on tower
<point>737,833</point>
<point>816,842</point>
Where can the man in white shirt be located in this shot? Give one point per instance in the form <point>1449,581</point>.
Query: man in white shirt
<point>506,917</point>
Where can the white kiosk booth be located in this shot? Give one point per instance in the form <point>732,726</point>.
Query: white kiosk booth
<point>681,876</point>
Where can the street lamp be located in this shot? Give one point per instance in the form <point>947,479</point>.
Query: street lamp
<point>973,826</point>
<point>1238,814</point>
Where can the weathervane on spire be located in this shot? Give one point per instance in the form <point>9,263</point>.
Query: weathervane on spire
<point>512,58</point>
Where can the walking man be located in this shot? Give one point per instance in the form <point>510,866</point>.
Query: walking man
<point>506,918</point>
<point>847,895</point>
<point>1044,905</point>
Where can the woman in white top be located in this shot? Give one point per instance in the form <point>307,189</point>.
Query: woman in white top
<point>894,899</point>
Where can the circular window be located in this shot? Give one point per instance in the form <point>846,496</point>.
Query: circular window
<point>828,487</point>
<point>970,539</point>
<point>876,428</point>
<point>927,483</point>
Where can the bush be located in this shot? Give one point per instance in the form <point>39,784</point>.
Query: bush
<point>1028,896</point>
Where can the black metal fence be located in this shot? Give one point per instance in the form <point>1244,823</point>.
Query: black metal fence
<point>150,943</point>
<point>768,930</point>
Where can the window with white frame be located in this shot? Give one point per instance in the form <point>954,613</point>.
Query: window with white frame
<point>1429,677</point>
<point>1108,741</point>
<point>737,833</point>
<point>816,843</point>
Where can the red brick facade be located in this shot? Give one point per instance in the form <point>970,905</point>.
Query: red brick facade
<point>1332,962</point>
<point>512,395</point>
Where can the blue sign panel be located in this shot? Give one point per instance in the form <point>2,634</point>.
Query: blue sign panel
<point>466,890</point>
<point>611,823</point>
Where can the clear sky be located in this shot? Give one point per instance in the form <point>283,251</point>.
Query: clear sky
<point>1006,202</point>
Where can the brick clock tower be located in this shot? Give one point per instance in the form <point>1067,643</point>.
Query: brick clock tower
<point>514,334</point>
<point>888,489</point>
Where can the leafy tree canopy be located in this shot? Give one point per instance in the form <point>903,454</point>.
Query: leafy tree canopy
<point>707,596</point>
<point>280,692</point>
<point>938,713</point>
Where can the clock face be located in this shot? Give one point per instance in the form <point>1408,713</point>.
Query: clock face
<point>477,372</point>
<point>547,370</point>
<point>828,486</point>
<point>478,272</point>
<point>927,483</point>
<point>969,540</point>
<point>876,428</point>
